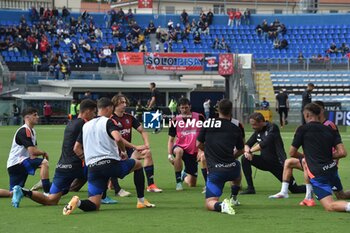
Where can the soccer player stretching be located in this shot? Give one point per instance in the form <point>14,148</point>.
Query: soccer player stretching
<point>102,142</point>
<point>125,123</point>
<point>218,144</point>
<point>69,166</point>
<point>23,158</point>
<point>318,141</point>
<point>185,146</point>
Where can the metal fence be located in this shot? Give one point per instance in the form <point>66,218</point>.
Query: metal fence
<point>25,4</point>
<point>307,64</point>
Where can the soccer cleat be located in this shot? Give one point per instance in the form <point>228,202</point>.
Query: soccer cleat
<point>154,189</point>
<point>179,186</point>
<point>248,191</point>
<point>71,206</point>
<point>234,202</point>
<point>308,202</point>
<point>144,204</point>
<point>108,200</point>
<point>37,186</point>
<point>123,193</point>
<point>226,207</point>
<point>17,195</point>
<point>279,195</point>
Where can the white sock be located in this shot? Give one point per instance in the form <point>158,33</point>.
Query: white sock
<point>284,188</point>
<point>347,208</point>
<point>142,199</point>
<point>308,194</point>
<point>79,203</point>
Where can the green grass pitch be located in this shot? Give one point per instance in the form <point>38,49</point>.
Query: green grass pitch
<point>176,211</point>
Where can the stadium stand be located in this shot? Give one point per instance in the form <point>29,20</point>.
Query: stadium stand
<point>311,39</point>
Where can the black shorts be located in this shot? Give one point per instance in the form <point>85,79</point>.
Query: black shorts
<point>191,164</point>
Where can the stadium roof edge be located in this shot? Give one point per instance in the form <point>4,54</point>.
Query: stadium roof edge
<point>112,84</point>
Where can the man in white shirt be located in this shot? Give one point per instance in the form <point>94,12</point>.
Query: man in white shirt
<point>102,142</point>
<point>23,158</point>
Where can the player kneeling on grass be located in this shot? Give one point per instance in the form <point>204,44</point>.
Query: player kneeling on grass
<point>102,142</point>
<point>23,159</point>
<point>318,141</point>
<point>219,144</point>
<point>299,163</point>
<point>185,127</point>
<point>69,166</point>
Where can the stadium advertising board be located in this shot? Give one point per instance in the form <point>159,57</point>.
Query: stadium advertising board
<point>339,117</point>
<point>211,62</point>
<point>131,59</point>
<point>174,61</point>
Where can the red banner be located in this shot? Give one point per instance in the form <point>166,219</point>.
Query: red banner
<point>129,59</point>
<point>174,61</point>
<point>145,3</point>
<point>226,64</point>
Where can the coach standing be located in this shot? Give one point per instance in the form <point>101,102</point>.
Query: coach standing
<point>266,139</point>
<point>306,99</point>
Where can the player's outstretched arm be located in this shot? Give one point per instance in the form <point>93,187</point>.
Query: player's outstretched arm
<point>144,135</point>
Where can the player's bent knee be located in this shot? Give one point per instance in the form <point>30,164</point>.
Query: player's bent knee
<point>138,165</point>
<point>45,163</point>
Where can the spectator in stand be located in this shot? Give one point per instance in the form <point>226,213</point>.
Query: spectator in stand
<point>194,26</point>
<point>36,63</point>
<point>216,43</point>
<point>86,47</point>
<point>65,13</point>
<point>157,47</point>
<point>47,112</point>
<point>223,44</point>
<point>107,52</point>
<point>184,49</point>
<point>41,11</point>
<point>246,16</point>
<point>121,15</point>
<point>135,29</point>
<point>129,17</point>
<point>276,43</point>
<point>231,18</point>
<point>33,14</point>
<point>184,17</point>
<point>55,12</point>
<point>170,25</point>
<point>98,33</point>
<point>205,29</point>
<point>158,33</point>
<point>143,48</point>
<point>151,27</point>
<point>282,29</point>
<point>197,38</point>
<point>265,29</point>
<point>210,17</point>
<point>44,63</point>
<point>119,47</point>
<point>107,19</point>
<point>332,48</point>
<point>77,61</point>
<point>344,49</point>
<point>129,47</point>
<point>238,17</point>
<point>301,58</point>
